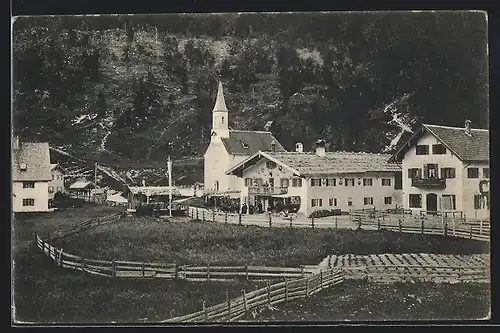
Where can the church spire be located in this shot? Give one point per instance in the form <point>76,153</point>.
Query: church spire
<point>220,103</point>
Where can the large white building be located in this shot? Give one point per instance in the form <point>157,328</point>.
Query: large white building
<point>446,168</point>
<point>319,180</point>
<point>30,176</point>
<point>229,147</point>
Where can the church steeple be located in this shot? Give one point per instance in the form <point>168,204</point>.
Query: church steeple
<point>220,114</point>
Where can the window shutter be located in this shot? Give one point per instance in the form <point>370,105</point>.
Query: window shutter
<point>426,171</point>
<point>452,173</point>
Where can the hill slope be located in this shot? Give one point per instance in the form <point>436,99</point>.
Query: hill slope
<point>128,91</point>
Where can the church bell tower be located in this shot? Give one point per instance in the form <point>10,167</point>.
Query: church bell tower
<point>220,115</point>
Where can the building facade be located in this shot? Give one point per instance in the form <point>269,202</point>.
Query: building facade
<point>446,169</point>
<point>57,182</point>
<point>30,176</point>
<point>320,180</point>
<point>229,147</point>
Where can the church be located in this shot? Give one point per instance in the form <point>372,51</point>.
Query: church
<point>229,147</point>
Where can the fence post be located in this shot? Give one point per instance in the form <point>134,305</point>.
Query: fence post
<point>228,306</point>
<point>197,214</point>
<point>302,270</point>
<point>360,222</point>
<point>192,214</point>
<point>203,215</point>
<point>307,287</point>
<point>330,261</point>
<point>244,300</point>
<point>113,268</point>
<point>453,223</point>
<point>171,313</point>
<point>83,265</point>
<point>481,228</point>
<point>286,290</point>
<point>208,272</point>
<point>445,229</point>
<point>378,223</point>
<point>321,279</point>
<point>291,221</point>
<point>205,312</point>
<point>336,222</point>
<point>143,269</point>
<point>225,217</point>
<point>268,293</point>
<point>270,221</point>
<point>213,216</point>
<point>176,271</point>
<point>470,236</point>
<point>312,221</point>
<point>246,272</point>
<point>61,257</point>
<point>423,227</point>
<point>400,226</point>
<point>239,218</point>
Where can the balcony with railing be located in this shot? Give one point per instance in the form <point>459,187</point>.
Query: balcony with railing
<point>266,190</point>
<point>437,183</point>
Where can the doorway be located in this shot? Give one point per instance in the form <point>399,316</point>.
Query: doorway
<point>431,202</point>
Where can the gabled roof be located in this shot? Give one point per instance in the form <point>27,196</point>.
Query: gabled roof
<point>250,142</point>
<point>153,190</point>
<point>310,164</point>
<point>54,166</point>
<point>473,147</point>
<point>81,184</point>
<point>36,157</point>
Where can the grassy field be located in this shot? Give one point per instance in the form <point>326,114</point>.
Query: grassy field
<point>45,293</point>
<point>359,301</point>
<point>191,242</point>
<point>24,226</point>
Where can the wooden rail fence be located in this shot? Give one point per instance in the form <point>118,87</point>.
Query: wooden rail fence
<point>133,269</point>
<point>235,308</point>
<point>84,225</point>
<point>472,229</point>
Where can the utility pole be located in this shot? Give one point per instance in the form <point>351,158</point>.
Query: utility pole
<point>169,168</point>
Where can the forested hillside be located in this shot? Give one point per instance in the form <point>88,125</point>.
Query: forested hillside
<point>123,89</point>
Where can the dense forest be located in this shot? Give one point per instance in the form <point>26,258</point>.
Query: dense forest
<point>142,87</point>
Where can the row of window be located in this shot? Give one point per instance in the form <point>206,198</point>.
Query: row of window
<point>318,182</point>
<point>332,202</point>
<point>437,149</point>
<point>58,177</point>
<point>448,201</point>
<point>58,189</point>
<point>28,202</point>
<point>431,171</point>
<point>284,182</point>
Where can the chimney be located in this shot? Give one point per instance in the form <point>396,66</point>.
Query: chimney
<point>299,147</point>
<point>15,142</point>
<point>467,127</point>
<point>320,148</point>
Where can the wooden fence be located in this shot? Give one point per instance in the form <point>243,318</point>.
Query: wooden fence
<point>84,225</point>
<point>472,229</point>
<point>404,273</point>
<point>133,269</point>
<point>235,308</point>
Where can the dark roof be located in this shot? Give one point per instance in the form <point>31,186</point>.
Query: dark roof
<point>473,147</point>
<point>249,142</point>
<point>36,156</point>
<point>310,164</point>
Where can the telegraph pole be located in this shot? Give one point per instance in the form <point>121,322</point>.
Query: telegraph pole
<point>169,168</point>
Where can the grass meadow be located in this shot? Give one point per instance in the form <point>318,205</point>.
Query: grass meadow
<point>45,293</point>
<point>362,301</point>
<point>201,243</point>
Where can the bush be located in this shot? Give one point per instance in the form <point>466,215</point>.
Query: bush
<point>63,200</point>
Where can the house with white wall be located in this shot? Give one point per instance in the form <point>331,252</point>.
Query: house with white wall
<point>320,180</point>
<point>229,147</point>
<point>30,176</point>
<point>57,182</point>
<point>446,169</point>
